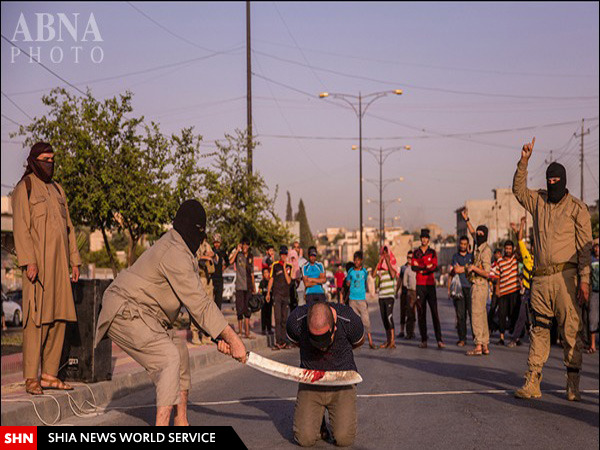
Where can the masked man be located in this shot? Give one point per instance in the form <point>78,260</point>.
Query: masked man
<point>478,274</point>
<point>141,305</point>
<point>46,246</point>
<point>562,235</point>
<point>326,334</point>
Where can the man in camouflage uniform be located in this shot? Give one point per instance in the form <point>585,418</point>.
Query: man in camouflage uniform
<point>562,235</point>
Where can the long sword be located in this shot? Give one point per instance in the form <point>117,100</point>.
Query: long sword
<point>299,375</point>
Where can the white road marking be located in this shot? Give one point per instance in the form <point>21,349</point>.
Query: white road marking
<point>487,391</point>
<point>384,395</point>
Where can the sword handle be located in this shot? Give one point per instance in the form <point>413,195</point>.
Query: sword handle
<point>216,341</point>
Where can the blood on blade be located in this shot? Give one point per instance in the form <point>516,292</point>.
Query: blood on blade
<point>314,375</point>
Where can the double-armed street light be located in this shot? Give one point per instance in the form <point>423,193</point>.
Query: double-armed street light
<point>382,205</point>
<point>381,155</point>
<point>356,102</point>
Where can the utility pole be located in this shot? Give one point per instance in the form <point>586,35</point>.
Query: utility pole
<point>581,160</point>
<point>381,218</point>
<point>248,88</point>
<point>360,115</point>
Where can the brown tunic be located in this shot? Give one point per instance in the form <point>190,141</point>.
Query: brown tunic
<point>163,279</point>
<point>562,232</point>
<point>44,235</point>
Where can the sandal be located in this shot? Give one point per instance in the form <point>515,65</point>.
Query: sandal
<point>474,352</point>
<point>55,383</point>
<point>590,350</point>
<point>32,386</point>
<point>485,350</point>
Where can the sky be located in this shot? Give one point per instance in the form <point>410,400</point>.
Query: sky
<point>478,81</point>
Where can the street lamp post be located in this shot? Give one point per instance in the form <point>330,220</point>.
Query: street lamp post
<point>381,156</point>
<point>360,112</point>
<point>382,205</point>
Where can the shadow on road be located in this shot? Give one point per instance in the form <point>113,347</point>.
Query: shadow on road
<point>485,376</point>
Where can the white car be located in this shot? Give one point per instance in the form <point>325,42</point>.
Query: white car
<point>13,313</point>
<point>229,287</point>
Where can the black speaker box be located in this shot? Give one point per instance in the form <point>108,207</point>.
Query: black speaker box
<point>80,360</point>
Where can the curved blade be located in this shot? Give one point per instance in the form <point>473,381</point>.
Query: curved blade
<point>299,375</point>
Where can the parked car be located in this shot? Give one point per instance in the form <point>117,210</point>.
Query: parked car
<point>13,313</point>
<point>16,296</point>
<point>229,287</point>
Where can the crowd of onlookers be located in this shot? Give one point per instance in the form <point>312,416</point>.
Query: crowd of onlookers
<point>510,280</point>
<point>290,279</point>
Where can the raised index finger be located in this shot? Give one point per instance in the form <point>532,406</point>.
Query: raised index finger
<point>532,143</point>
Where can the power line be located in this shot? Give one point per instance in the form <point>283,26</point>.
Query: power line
<point>49,70</point>
<point>11,120</point>
<point>591,173</point>
<point>426,88</point>
<point>423,130</point>
<point>16,106</point>
<point>433,66</point>
<point>464,134</point>
<point>137,72</point>
<point>288,123</point>
<point>287,86</point>
<point>297,46</point>
<point>158,24</point>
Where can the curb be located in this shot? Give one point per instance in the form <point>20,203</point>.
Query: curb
<point>23,412</point>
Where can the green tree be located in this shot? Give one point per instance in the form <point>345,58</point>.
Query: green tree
<point>289,214</point>
<point>595,225</point>
<point>115,176</point>
<point>306,236</point>
<point>237,203</point>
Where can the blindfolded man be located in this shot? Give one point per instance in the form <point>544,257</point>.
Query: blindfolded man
<point>326,334</point>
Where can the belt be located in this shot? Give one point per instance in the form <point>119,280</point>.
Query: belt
<point>555,268</point>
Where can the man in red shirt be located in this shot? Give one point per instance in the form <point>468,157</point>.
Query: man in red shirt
<point>340,276</point>
<point>506,271</point>
<point>425,263</point>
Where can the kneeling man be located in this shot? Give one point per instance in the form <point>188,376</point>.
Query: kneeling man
<point>326,334</point>
<point>140,306</point>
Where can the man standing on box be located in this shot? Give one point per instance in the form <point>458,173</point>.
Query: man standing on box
<point>46,248</point>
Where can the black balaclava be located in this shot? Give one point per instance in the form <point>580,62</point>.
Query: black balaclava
<point>190,223</point>
<point>482,239</point>
<point>44,170</point>
<point>558,190</point>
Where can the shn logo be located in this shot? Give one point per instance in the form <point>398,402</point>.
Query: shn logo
<point>18,438</point>
<point>47,28</point>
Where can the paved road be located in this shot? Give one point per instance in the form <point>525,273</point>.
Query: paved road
<point>414,413</point>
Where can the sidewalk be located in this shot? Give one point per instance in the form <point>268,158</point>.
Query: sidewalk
<point>20,408</point>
